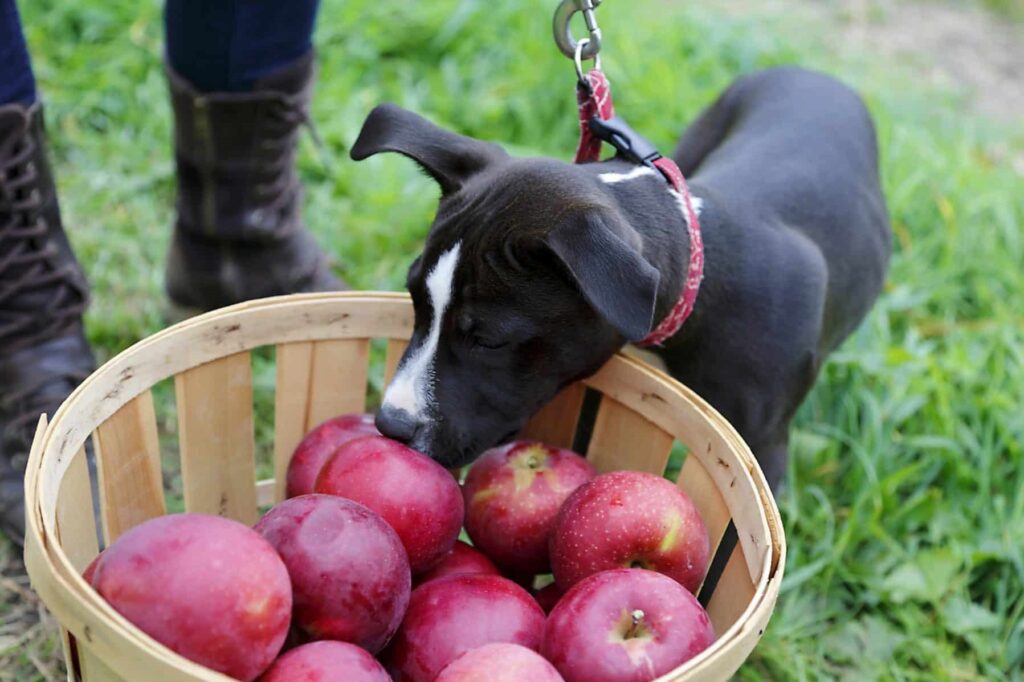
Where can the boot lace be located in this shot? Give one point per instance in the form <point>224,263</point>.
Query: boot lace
<point>26,252</point>
<point>286,116</point>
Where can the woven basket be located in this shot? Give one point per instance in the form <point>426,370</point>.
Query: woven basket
<point>322,363</point>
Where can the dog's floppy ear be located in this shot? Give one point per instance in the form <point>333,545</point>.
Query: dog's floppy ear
<point>448,158</point>
<point>614,278</point>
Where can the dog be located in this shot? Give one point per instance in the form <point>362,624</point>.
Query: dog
<point>536,271</point>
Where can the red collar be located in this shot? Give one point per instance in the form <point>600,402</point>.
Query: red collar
<point>595,100</point>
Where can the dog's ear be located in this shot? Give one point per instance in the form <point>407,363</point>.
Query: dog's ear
<point>447,157</point>
<point>616,281</point>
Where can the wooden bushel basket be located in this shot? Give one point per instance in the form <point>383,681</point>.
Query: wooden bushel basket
<point>322,346</point>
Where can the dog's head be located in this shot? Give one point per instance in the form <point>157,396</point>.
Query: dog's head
<point>531,278</point>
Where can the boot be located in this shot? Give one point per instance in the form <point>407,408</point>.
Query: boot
<point>43,293</point>
<point>239,233</point>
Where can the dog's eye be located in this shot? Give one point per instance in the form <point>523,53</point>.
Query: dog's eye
<point>488,344</point>
<point>464,324</point>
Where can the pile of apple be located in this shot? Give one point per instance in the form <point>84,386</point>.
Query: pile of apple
<point>359,576</point>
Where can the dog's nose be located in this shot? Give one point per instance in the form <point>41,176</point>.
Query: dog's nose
<point>396,423</point>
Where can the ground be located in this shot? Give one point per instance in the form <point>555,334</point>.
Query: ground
<point>904,504</point>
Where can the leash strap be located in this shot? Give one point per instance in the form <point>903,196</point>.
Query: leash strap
<point>595,100</point>
<point>598,124</point>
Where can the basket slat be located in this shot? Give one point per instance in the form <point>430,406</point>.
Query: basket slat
<point>337,379</point>
<point>75,529</point>
<point>394,355</point>
<point>732,594</point>
<point>695,481</point>
<point>315,382</point>
<point>95,670</point>
<point>623,439</point>
<point>266,492</point>
<point>128,462</point>
<point>291,399</point>
<point>215,427</point>
<point>556,422</point>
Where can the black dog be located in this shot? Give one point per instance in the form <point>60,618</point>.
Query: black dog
<point>536,271</point>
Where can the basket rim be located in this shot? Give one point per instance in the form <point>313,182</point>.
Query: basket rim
<point>49,565</point>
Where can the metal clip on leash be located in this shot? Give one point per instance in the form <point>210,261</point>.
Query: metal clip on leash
<point>578,59</point>
<point>598,119</point>
<point>586,48</point>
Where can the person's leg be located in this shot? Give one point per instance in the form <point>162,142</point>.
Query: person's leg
<point>17,83</point>
<point>240,74</point>
<point>43,353</point>
<point>231,45</point>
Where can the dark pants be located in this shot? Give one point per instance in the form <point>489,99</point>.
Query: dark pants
<point>217,45</point>
<point>17,84</point>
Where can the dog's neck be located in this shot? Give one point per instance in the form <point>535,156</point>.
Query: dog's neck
<point>656,214</point>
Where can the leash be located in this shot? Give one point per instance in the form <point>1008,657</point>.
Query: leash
<point>599,125</point>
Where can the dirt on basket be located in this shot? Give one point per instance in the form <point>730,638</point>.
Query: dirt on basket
<point>30,649</point>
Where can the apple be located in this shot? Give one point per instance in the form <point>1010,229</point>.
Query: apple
<point>326,662</point>
<point>349,573</point>
<point>629,519</point>
<point>461,559</point>
<point>513,494</point>
<point>208,588</point>
<point>418,497</point>
<point>499,662</point>
<point>449,616</point>
<point>625,625</point>
<point>318,446</point>
<point>548,596</point>
<point>90,570</point>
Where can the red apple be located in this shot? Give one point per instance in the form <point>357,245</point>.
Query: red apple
<point>461,560</point>
<point>513,494</point>
<point>349,573</point>
<point>209,588</point>
<point>629,519</point>
<point>90,570</point>
<point>548,596</point>
<point>626,625</point>
<point>414,494</point>
<point>452,615</point>
<point>326,662</point>
<point>319,444</point>
<point>499,663</point>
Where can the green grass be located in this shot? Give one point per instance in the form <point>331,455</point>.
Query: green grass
<point>904,505</point>
<point>1013,9</point>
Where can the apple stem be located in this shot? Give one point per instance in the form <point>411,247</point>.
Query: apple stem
<point>638,620</point>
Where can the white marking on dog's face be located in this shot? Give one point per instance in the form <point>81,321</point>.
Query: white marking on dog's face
<point>613,178</point>
<point>412,388</point>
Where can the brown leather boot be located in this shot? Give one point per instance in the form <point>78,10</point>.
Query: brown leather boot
<point>239,233</point>
<point>43,352</point>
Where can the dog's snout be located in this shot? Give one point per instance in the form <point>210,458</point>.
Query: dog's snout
<point>396,424</point>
